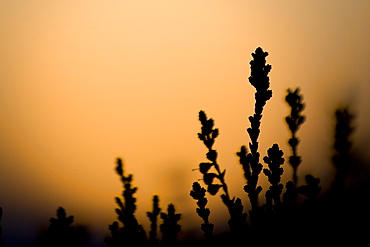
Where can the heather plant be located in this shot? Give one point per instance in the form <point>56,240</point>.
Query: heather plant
<point>274,159</point>
<point>282,219</point>
<point>249,161</point>
<point>252,167</point>
<point>131,233</point>
<point>294,120</point>
<point>170,227</point>
<point>264,219</point>
<point>199,193</point>
<point>342,145</point>
<point>237,222</point>
<point>153,217</point>
<point>60,232</point>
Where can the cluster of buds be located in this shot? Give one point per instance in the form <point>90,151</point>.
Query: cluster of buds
<point>274,160</point>
<point>199,193</point>
<point>208,135</point>
<point>294,120</point>
<point>259,79</point>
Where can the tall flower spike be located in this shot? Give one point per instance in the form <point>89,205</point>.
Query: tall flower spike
<point>132,231</point>
<point>250,162</point>
<point>294,120</point>
<point>208,135</point>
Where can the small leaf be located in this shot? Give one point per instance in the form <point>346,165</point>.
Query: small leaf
<point>213,188</point>
<point>293,142</point>
<point>204,167</point>
<point>212,155</point>
<point>209,143</point>
<point>208,178</point>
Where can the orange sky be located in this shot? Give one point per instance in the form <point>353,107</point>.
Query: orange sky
<point>84,82</point>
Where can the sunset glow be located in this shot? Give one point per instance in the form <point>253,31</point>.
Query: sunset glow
<point>85,82</point>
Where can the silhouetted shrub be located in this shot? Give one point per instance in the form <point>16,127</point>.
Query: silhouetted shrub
<point>131,233</point>
<point>153,217</point>
<point>169,227</point>
<point>61,233</point>
<point>266,220</point>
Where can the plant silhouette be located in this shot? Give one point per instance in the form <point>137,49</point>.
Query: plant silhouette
<point>342,145</point>
<point>169,227</point>
<point>131,233</point>
<point>291,212</point>
<point>251,165</point>
<point>153,217</point>
<point>294,120</point>
<point>199,193</point>
<point>266,219</point>
<point>61,233</point>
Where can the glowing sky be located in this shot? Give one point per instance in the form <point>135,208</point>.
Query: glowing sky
<point>84,82</point>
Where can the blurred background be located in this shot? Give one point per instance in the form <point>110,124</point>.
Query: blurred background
<point>85,82</point>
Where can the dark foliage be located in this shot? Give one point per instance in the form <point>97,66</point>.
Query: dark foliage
<point>153,217</point>
<point>170,228</point>
<point>280,215</point>
<point>131,233</point>
<point>61,233</point>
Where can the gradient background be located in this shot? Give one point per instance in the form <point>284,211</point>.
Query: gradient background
<point>84,82</point>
